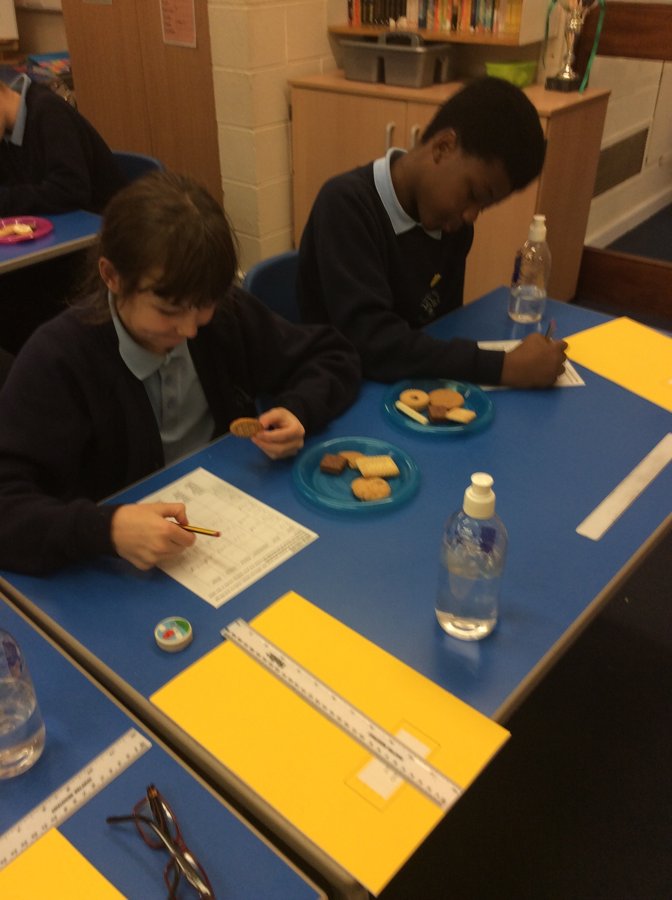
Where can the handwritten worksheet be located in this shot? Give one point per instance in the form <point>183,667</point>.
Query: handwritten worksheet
<point>254,538</point>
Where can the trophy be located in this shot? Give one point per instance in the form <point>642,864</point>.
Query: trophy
<point>576,10</point>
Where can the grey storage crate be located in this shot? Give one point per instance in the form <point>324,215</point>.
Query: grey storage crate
<point>398,58</point>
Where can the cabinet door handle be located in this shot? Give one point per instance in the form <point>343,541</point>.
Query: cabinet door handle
<point>415,134</point>
<point>389,134</point>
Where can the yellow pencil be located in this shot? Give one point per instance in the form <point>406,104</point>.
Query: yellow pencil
<point>198,530</point>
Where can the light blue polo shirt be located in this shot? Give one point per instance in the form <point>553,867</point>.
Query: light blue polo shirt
<point>174,390</point>
<point>399,218</point>
<point>20,85</point>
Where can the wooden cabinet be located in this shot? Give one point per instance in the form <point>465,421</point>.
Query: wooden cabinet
<point>339,124</point>
<point>140,93</point>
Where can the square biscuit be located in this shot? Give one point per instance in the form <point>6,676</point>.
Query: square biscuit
<point>460,414</point>
<point>377,467</point>
<point>333,464</point>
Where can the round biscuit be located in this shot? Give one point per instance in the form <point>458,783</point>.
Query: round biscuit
<point>245,427</point>
<point>415,398</point>
<point>370,488</point>
<point>446,397</point>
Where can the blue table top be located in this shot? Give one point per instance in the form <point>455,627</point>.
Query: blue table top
<point>72,231</point>
<point>554,456</point>
<point>81,722</point>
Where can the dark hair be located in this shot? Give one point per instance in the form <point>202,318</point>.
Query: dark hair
<point>168,223</point>
<point>493,119</point>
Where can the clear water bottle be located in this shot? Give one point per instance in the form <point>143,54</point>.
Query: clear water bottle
<point>531,270</point>
<point>22,730</point>
<point>472,560</point>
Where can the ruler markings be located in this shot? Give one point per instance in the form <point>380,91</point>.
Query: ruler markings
<point>60,805</point>
<point>385,746</point>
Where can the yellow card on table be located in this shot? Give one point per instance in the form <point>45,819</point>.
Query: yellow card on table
<point>632,355</point>
<point>52,866</point>
<point>310,770</point>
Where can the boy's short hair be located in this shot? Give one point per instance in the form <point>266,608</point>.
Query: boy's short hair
<point>493,119</point>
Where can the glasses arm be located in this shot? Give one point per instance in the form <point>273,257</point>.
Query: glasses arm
<point>182,857</point>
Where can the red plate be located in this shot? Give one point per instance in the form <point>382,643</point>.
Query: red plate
<point>39,227</point>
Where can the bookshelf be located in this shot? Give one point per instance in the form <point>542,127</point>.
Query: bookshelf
<point>507,23</point>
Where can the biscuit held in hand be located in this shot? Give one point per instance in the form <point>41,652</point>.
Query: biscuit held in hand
<point>245,427</point>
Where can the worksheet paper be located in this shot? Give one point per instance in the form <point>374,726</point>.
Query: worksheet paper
<point>254,538</point>
<point>569,378</point>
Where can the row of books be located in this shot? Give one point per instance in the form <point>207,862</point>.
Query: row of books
<point>488,16</point>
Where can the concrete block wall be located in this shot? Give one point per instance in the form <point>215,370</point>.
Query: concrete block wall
<point>257,46</point>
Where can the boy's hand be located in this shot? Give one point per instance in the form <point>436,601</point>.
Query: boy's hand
<point>144,534</point>
<point>535,363</point>
<point>282,435</point>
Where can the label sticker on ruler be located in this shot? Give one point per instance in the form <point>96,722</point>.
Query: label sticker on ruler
<point>384,746</point>
<point>60,805</point>
<point>614,504</point>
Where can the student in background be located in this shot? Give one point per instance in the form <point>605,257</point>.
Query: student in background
<point>384,249</point>
<point>157,358</point>
<point>52,159</point>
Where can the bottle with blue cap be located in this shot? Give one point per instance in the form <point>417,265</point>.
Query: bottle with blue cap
<point>473,554</point>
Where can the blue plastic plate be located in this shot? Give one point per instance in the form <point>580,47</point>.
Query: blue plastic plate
<point>333,491</point>
<point>474,399</point>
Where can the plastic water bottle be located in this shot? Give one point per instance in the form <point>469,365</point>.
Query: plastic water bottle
<point>22,730</point>
<point>531,270</point>
<point>472,560</point>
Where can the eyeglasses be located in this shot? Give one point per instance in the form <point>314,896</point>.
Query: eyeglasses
<point>158,827</point>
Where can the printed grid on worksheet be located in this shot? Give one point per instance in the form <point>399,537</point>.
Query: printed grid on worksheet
<point>255,538</point>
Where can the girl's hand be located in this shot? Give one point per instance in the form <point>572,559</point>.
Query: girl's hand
<point>144,534</point>
<point>282,435</point>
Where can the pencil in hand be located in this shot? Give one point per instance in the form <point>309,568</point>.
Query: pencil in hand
<point>196,529</point>
<point>550,331</point>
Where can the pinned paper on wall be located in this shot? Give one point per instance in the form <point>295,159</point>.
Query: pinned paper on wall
<point>313,772</point>
<point>51,864</point>
<point>632,355</point>
<point>178,22</point>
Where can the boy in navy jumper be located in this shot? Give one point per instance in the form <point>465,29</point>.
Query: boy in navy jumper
<point>384,250</point>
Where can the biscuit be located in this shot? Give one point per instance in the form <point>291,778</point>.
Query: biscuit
<point>351,457</point>
<point>377,467</point>
<point>333,464</point>
<point>436,413</point>
<point>414,398</point>
<point>464,416</point>
<point>446,397</point>
<point>245,427</point>
<point>411,413</point>
<point>370,488</point>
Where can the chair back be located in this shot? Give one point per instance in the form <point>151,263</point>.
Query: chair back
<point>273,281</point>
<point>133,165</point>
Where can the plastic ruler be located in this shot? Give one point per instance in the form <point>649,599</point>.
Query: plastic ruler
<point>60,805</point>
<point>378,741</point>
<point>624,494</point>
